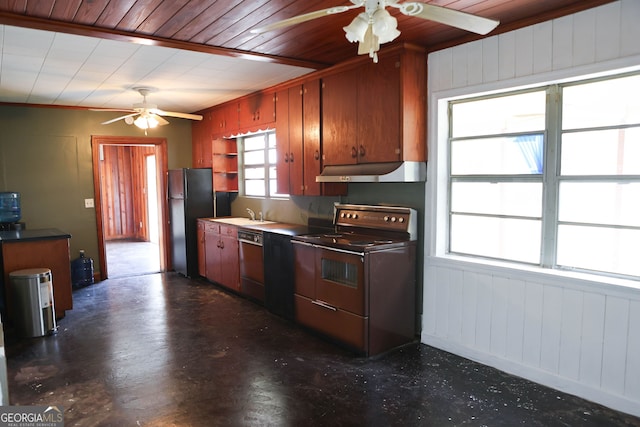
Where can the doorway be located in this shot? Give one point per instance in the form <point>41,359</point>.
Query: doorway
<point>130,211</point>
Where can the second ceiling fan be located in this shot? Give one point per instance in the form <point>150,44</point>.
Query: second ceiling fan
<point>375,25</point>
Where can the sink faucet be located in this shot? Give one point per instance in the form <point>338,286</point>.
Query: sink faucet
<point>252,214</point>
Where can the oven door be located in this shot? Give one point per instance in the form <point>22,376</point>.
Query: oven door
<point>340,280</point>
<point>330,293</point>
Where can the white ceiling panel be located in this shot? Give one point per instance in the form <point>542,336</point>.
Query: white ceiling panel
<point>42,67</point>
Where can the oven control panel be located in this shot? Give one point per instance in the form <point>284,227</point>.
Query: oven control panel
<point>375,217</point>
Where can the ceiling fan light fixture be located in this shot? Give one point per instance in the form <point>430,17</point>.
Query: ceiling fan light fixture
<point>385,26</point>
<point>146,122</point>
<point>355,31</point>
<point>370,45</point>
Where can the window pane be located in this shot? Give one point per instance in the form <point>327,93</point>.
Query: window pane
<point>612,250</point>
<point>497,156</point>
<point>273,156</point>
<point>505,198</point>
<point>254,187</point>
<point>604,103</point>
<point>254,173</point>
<point>272,139</point>
<point>600,203</point>
<point>254,142</point>
<point>273,189</point>
<point>505,238</point>
<point>606,152</point>
<point>507,114</point>
<point>254,158</point>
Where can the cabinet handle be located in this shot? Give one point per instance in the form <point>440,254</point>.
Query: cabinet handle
<point>354,152</point>
<point>362,152</point>
<point>324,305</point>
<point>286,157</point>
<point>221,244</point>
<point>291,158</point>
<point>316,155</point>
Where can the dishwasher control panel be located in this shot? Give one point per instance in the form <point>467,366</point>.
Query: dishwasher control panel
<point>250,236</point>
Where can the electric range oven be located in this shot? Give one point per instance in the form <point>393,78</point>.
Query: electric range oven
<point>357,283</point>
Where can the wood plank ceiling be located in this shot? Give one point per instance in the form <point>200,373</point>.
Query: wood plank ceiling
<point>224,26</point>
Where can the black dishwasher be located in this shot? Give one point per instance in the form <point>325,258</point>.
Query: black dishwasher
<point>278,274</point>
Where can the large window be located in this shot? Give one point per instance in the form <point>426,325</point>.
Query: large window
<point>259,160</point>
<point>549,177</point>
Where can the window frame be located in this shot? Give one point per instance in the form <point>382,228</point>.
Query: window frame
<point>551,177</point>
<point>269,193</point>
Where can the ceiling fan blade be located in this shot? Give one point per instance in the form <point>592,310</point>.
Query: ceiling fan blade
<point>161,121</point>
<point>121,110</point>
<point>176,114</point>
<point>119,118</point>
<point>454,18</point>
<point>304,17</point>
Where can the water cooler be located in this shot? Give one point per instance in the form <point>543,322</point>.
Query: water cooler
<point>10,211</point>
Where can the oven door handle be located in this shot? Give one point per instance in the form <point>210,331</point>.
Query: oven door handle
<point>344,251</point>
<point>324,305</point>
<point>328,248</point>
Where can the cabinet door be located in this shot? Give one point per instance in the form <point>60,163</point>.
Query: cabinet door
<point>282,142</point>
<point>379,137</point>
<point>225,120</point>
<point>230,267</point>
<point>339,112</point>
<point>202,264</point>
<point>311,138</point>
<point>304,261</point>
<point>212,255</point>
<point>201,141</point>
<point>296,141</point>
<point>256,110</point>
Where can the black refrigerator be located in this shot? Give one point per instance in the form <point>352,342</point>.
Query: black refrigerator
<point>191,197</point>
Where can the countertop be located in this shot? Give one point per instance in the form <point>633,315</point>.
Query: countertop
<point>269,226</point>
<point>36,234</point>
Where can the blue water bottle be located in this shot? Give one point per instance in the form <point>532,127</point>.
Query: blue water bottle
<point>81,271</point>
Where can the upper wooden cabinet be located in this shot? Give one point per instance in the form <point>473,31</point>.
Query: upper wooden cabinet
<point>298,142</point>
<point>376,112</point>
<point>224,119</point>
<point>201,137</point>
<point>256,111</point>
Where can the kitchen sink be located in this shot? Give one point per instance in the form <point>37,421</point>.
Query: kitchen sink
<point>242,222</point>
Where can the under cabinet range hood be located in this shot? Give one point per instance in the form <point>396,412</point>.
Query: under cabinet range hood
<point>375,172</point>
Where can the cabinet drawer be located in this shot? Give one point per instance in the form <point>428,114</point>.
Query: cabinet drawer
<point>211,227</point>
<point>229,230</point>
<point>341,325</point>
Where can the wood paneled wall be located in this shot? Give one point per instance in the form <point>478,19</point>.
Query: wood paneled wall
<point>124,189</point>
<point>580,335</point>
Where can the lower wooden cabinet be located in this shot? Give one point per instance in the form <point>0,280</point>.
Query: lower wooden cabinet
<point>220,253</point>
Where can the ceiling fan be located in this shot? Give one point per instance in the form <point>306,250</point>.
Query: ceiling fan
<point>149,116</point>
<point>375,25</point>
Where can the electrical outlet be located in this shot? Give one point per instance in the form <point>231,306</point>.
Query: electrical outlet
<point>88,203</point>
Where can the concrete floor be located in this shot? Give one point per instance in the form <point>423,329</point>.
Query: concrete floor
<point>164,350</point>
<point>132,258</point>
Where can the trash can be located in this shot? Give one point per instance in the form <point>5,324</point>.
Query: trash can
<point>32,295</point>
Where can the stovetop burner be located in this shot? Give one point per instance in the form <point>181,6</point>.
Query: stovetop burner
<point>367,228</point>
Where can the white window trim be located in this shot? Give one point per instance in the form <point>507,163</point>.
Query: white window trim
<point>437,188</point>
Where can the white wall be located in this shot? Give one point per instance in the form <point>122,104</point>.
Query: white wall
<point>575,333</point>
